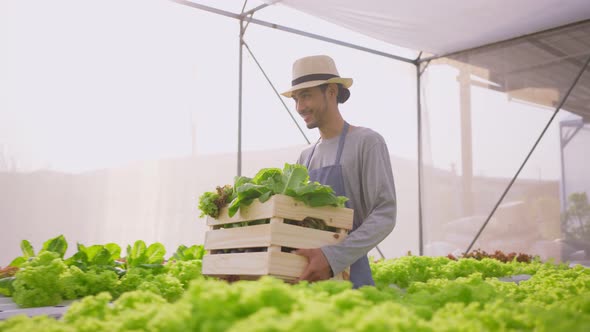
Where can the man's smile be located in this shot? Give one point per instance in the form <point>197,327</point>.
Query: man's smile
<point>306,116</point>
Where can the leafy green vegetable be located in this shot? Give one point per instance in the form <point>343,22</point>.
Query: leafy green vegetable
<point>184,253</point>
<point>57,245</point>
<point>18,261</point>
<point>439,294</point>
<point>27,249</point>
<point>28,252</point>
<point>210,203</point>
<point>140,255</point>
<point>292,180</point>
<point>185,271</point>
<point>6,286</point>
<point>96,255</point>
<point>207,204</point>
<point>75,283</point>
<point>37,282</point>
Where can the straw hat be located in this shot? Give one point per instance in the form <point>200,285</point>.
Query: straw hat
<point>316,70</point>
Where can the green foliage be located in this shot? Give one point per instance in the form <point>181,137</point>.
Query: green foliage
<point>207,204</point>
<point>7,286</point>
<point>140,255</point>
<point>555,298</point>
<point>48,279</point>
<point>210,203</point>
<point>97,255</point>
<point>576,223</point>
<point>412,294</point>
<point>57,245</point>
<point>185,271</point>
<point>292,180</point>
<point>165,285</point>
<point>43,323</point>
<point>76,283</point>
<point>403,271</point>
<point>37,282</point>
<point>184,253</point>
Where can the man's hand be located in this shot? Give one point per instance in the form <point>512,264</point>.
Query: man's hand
<point>317,268</point>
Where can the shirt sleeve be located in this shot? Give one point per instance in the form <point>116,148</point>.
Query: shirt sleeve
<point>378,193</point>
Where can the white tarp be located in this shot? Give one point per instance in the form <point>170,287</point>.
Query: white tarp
<point>444,26</point>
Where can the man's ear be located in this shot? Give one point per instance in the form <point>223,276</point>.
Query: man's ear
<point>333,89</point>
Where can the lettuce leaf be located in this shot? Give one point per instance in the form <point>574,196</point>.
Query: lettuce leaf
<point>292,180</point>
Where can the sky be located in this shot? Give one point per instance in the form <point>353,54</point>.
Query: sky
<point>90,85</point>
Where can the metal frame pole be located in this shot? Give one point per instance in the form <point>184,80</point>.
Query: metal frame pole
<point>562,182</point>
<point>290,30</point>
<point>275,91</point>
<point>420,165</point>
<point>241,51</point>
<point>563,142</point>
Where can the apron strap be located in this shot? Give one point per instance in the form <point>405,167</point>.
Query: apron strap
<point>311,154</point>
<point>341,143</point>
<point>340,146</point>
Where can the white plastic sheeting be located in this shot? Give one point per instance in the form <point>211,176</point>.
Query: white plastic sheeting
<point>442,27</point>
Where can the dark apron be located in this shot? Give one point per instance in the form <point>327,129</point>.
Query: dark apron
<point>360,272</point>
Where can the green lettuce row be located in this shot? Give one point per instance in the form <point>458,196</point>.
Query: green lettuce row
<point>403,271</point>
<point>48,279</point>
<point>464,304</point>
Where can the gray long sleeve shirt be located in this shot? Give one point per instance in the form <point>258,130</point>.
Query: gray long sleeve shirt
<point>369,185</point>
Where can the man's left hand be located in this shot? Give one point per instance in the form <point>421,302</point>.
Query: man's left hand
<point>317,268</point>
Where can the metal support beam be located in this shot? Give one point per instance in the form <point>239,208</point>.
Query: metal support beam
<point>571,135</point>
<point>252,11</point>
<point>577,124</point>
<point>240,69</point>
<point>420,164</point>
<point>466,142</point>
<point>562,182</point>
<point>276,92</point>
<point>208,9</point>
<point>291,30</point>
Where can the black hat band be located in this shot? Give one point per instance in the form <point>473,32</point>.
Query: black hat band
<point>312,77</point>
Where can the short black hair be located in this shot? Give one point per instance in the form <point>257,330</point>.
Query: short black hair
<point>343,93</point>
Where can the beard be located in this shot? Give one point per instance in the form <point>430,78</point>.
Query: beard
<point>317,114</point>
<point>312,125</point>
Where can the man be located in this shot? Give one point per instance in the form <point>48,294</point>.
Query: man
<point>353,160</point>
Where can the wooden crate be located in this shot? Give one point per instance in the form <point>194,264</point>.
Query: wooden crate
<point>272,236</point>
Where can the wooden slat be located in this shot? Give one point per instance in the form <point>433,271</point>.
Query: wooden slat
<point>286,265</point>
<point>254,211</point>
<point>254,263</point>
<point>302,238</point>
<point>240,237</point>
<point>249,266</point>
<point>289,208</point>
<point>274,221</point>
<point>277,234</point>
<point>289,267</point>
<point>286,207</point>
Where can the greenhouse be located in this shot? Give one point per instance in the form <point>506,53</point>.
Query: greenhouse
<point>117,118</point>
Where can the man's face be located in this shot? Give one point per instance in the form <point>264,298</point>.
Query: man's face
<point>312,105</point>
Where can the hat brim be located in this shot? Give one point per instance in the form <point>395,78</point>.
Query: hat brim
<point>346,83</point>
